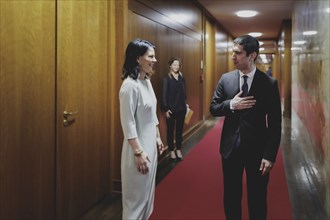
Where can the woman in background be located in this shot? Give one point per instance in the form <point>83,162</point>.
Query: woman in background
<point>141,134</point>
<point>174,106</point>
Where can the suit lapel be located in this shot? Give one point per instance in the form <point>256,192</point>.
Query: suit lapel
<point>237,78</point>
<point>255,82</point>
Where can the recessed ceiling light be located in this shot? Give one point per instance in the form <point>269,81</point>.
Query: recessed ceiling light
<point>299,42</point>
<point>255,34</point>
<point>246,13</point>
<point>296,48</point>
<point>309,32</point>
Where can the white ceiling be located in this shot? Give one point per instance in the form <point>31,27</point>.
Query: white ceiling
<point>269,19</point>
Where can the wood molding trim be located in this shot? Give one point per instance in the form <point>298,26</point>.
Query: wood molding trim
<point>145,11</point>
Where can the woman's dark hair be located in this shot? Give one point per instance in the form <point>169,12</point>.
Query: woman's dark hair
<point>250,44</point>
<point>134,50</point>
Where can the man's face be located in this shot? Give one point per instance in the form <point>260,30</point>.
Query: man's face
<point>240,59</point>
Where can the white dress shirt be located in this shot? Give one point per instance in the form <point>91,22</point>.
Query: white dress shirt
<point>241,81</point>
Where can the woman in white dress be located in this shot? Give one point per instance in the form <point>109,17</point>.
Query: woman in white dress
<point>141,134</point>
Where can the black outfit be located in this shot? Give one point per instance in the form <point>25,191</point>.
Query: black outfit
<point>248,136</point>
<point>174,99</point>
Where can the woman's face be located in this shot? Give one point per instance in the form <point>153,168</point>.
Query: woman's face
<point>175,66</point>
<point>147,61</point>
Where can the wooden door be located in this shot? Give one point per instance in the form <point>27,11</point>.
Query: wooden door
<point>27,109</point>
<point>82,153</point>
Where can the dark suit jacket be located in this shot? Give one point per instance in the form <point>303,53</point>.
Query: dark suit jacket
<point>259,125</point>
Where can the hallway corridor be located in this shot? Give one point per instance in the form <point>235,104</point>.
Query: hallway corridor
<point>61,66</point>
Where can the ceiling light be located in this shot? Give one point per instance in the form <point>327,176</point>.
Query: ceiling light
<point>255,34</point>
<point>309,32</point>
<point>261,43</point>
<point>327,10</point>
<point>246,13</point>
<point>299,42</point>
<point>296,49</point>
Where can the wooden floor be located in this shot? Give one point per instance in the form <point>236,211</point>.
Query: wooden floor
<point>306,186</point>
<point>306,183</point>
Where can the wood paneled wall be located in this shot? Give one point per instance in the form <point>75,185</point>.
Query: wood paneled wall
<point>58,55</point>
<point>210,62</point>
<point>285,66</point>
<point>153,21</point>
<point>27,109</point>
<point>215,59</point>
<point>117,34</point>
<point>223,62</point>
<point>82,148</point>
<point>311,91</point>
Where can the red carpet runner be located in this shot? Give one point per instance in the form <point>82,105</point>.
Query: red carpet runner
<point>193,189</point>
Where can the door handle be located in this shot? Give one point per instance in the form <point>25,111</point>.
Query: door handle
<point>66,114</point>
<point>66,121</point>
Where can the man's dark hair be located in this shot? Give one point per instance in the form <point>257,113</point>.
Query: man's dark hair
<point>250,44</point>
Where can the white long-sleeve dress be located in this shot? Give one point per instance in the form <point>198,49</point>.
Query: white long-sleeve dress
<point>139,120</point>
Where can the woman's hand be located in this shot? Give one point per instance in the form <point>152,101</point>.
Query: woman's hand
<point>160,145</point>
<point>168,114</point>
<point>142,163</point>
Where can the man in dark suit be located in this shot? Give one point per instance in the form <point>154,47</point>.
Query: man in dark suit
<point>250,101</point>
